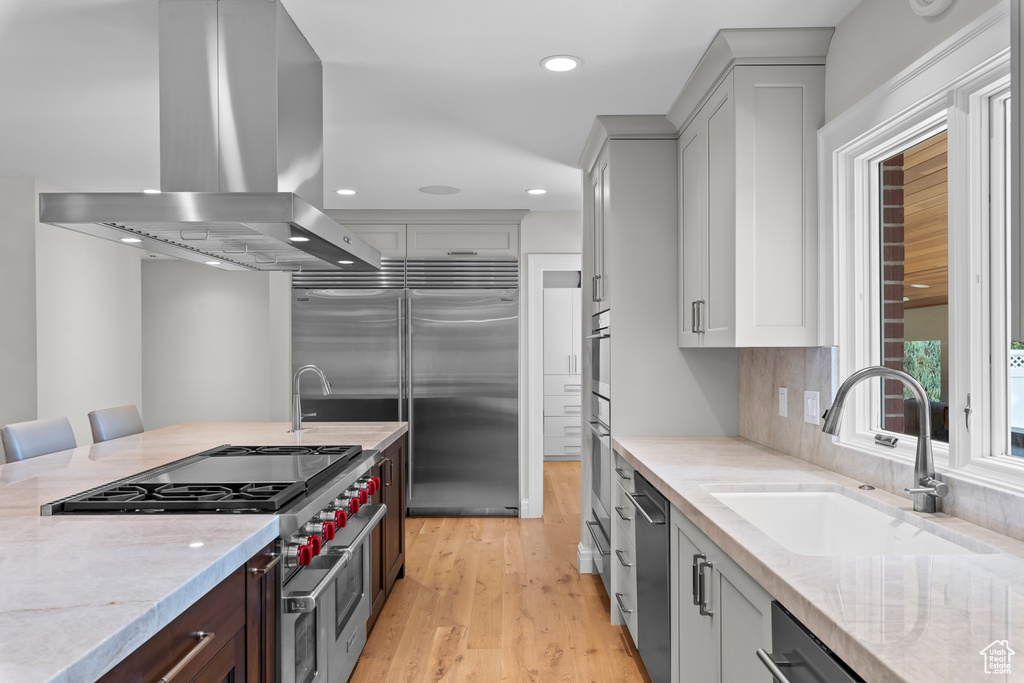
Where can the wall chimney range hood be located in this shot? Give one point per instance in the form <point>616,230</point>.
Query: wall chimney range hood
<point>241,150</point>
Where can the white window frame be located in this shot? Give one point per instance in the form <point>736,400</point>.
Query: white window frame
<point>950,87</point>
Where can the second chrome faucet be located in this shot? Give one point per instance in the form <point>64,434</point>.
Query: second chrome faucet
<point>926,487</point>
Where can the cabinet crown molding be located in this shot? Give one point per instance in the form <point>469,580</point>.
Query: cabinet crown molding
<point>733,47</point>
<point>624,127</point>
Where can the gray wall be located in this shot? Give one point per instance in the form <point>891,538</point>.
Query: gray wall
<point>217,345</point>
<point>72,317</point>
<point>89,326</point>
<point>880,38</point>
<point>17,301</point>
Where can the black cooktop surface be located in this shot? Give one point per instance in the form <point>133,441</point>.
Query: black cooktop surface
<point>225,479</point>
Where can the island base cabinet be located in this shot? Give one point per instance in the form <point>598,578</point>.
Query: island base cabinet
<point>720,615</point>
<point>387,544</point>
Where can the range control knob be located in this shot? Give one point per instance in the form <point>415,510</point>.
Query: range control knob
<point>303,555</point>
<point>364,497</point>
<point>376,484</point>
<point>328,531</point>
<point>315,543</point>
<point>353,505</point>
<point>340,518</point>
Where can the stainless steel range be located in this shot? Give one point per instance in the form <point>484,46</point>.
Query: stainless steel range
<point>321,495</point>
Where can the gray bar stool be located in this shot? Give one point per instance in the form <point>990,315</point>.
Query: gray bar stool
<point>37,437</point>
<point>113,423</point>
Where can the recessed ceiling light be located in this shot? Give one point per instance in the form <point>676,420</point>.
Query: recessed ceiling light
<point>212,263</point>
<point>346,263</point>
<point>151,191</point>
<point>536,190</point>
<point>346,192</point>
<point>298,238</point>
<point>920,286</point>
<point>560,62</point>
<point>196,544</point>
<point>131,240</point>
<point>439,189</point>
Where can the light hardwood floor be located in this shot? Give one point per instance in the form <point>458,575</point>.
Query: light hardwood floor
<point>497,599</point>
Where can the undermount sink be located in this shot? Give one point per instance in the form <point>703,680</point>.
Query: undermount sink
<point>832,523</point>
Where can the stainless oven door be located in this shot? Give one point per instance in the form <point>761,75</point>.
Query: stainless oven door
<point>601,476</point>
<point>309,603</point>
<point>600,362</point>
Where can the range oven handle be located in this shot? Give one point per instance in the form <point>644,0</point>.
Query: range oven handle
<point>598,336</point>
<point>305,601</point>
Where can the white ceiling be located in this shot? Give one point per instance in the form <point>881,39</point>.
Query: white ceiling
<point>416,93</point>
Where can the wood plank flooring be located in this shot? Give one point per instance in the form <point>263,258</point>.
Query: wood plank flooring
<point>496,599</point>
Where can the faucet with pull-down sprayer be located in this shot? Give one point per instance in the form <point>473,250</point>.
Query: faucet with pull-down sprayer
<point>325,386</point>
<point>926,487</point>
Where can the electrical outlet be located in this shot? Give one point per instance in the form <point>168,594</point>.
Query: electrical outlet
<point>811,408</point>
<point>783,402</point>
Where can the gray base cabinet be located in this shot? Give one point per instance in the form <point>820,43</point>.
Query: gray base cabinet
<point>720,615</point>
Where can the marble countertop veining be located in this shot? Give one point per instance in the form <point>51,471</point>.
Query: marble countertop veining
<point>903,618</point>
<point>79,593</point>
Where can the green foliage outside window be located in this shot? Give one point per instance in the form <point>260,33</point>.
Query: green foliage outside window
<point>923,360</point>
<point>1016,346</point>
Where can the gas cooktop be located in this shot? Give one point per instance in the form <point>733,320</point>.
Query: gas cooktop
<point>238,479</point>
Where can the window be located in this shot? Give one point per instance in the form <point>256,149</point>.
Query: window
<point>916,192</point>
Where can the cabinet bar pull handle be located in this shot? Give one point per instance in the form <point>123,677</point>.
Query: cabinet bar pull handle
<point>618,554</point>
<point>702,588</point>
<point>772,664</point>
<point>697,559</point>
<point>462,253</point>
<point>623,474</point>
<point>624,518</point>
<point>204,639</point>
<point>618,599</point>
<point>572,387</point>
<point>275,558</point>
<point>693,317</point>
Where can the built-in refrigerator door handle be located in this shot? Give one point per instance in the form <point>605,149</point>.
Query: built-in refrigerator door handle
<point>401,361</point>
<point>408,383</point>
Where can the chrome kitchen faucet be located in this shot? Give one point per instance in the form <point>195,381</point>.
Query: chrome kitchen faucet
<point>927,487</point>
<point>325,386</point>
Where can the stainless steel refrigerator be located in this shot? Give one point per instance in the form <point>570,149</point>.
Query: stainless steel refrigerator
<point>444,359</point>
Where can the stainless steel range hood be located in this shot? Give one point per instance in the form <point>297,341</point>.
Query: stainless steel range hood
<point>241,150</point>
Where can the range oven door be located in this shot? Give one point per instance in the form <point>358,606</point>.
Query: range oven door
<point>324,606</point>
<point>600,495</point>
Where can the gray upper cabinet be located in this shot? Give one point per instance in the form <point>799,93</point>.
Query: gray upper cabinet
<point>747,192</point>
<point>388,239</point>
<point>463,241</point>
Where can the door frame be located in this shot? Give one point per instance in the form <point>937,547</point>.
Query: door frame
<point>532,484</point>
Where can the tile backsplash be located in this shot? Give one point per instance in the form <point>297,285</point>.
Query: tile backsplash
<point>763,371</point>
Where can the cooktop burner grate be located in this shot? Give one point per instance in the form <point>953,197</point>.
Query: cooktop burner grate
<point>267,497</point>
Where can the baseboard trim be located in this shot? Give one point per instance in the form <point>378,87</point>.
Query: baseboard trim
<point>585,559</point>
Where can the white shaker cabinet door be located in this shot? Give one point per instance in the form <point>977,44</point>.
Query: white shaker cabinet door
<point>560,357</point>
<point>694,635</point>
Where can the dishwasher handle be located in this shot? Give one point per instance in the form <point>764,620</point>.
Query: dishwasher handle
<point>657,519</point>
<point>772,663</point>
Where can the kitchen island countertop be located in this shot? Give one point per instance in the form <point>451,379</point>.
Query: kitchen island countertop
<point>79,593</point>
<point>892,618</point>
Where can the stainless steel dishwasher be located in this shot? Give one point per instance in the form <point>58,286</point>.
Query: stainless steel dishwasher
<point>652,579</point>
<point>799,656</point>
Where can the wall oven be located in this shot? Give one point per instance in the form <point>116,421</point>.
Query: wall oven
<point>601,443</point>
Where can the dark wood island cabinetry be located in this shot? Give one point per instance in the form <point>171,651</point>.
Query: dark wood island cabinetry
<point>387,563</point>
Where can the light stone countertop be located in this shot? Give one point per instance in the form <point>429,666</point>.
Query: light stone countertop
<point>905,618</point>
<point>79,593</point>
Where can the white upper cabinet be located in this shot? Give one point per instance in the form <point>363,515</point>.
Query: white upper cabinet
<point>562,345</point>
<point>463,241</point>
<point>389,240</point>
<point>748,199</point>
